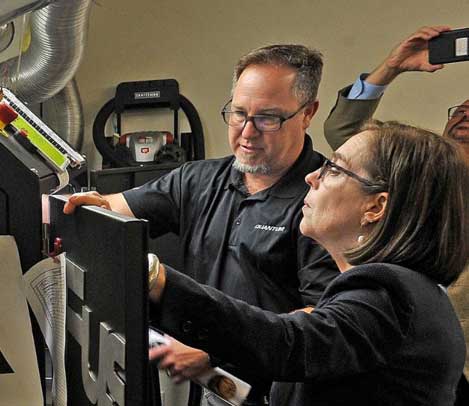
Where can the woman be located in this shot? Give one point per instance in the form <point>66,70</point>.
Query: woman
<point>391,209</point>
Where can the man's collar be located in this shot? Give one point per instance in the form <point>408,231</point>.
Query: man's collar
<point>237,181</point>
<point>287,186</point>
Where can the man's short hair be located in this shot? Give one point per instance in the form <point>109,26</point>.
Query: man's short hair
<point>426,222</point>
<point>306,61</point>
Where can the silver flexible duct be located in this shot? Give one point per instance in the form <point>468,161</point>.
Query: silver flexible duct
<point>58,34</point>
<point>46,69</point>
<point>11,9</point>
<point>64,113</point>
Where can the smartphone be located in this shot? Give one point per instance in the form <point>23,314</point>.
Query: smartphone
<point>449,46</point>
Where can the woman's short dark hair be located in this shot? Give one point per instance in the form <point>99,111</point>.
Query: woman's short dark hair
<point>306,61</point>
<point>426,222</point>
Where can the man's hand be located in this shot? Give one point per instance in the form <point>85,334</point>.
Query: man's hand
<point>88,199</point>
<point>410,55</point>
<point>180,361</point>
<point>115,202</point>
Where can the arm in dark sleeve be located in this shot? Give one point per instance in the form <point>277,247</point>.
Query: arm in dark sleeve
<point>347,117</point>
<point>352,333</point>
<point>159,202</point>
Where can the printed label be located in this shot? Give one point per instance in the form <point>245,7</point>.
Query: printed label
<point>461,46</point>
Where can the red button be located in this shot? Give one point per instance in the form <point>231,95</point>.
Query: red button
<point>144,150</point>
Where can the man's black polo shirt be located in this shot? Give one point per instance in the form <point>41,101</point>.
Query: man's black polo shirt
<point>248,246</point>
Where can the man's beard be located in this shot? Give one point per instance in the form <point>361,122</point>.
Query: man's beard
<point>262,169</point>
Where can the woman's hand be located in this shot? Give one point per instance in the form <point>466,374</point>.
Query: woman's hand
<point>180,361</point>
<point>307,309</point>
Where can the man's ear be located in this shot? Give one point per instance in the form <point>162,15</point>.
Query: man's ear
<point>309,112</point>
<point>375,208</point>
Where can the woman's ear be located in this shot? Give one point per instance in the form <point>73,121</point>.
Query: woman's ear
<point>375,207</point>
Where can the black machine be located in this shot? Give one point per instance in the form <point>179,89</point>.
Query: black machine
<point>107,310</point>
<point>33,162</point>
<point>148,148</point>
<point>24,178</point>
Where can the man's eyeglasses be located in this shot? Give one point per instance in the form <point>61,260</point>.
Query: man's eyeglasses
<point>331,167</point>
<point>262,122</point>
<point>458,111</point>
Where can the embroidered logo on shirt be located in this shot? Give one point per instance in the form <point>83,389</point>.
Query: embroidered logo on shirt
<point>266,227</point>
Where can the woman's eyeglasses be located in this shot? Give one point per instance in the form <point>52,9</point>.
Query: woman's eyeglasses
<point>331,167</point>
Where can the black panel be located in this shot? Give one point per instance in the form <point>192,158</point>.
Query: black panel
<point>4,221</point>
<point>24,177</point>
<point>113,251</point>
<point>116,180</point>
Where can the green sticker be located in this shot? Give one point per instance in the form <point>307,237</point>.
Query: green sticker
<point>41,143</point>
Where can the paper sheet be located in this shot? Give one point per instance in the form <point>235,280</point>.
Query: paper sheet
<point>228,387</point>
<point>22,386</point>
<point>45,289</point>
<point>64,180</point>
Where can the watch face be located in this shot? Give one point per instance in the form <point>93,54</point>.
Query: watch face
<point>7,32</point>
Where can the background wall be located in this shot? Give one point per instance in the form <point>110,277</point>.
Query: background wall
<point>198,42</point>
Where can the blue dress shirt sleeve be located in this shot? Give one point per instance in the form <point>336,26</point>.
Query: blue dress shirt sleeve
<point>362,90</point>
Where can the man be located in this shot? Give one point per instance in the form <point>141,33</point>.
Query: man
<point>238,217</point>
<point>356,104</point>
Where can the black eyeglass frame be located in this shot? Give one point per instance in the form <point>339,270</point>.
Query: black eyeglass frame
<point>329,164</point>
<point>455,108</point>
<point>252,118</point>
